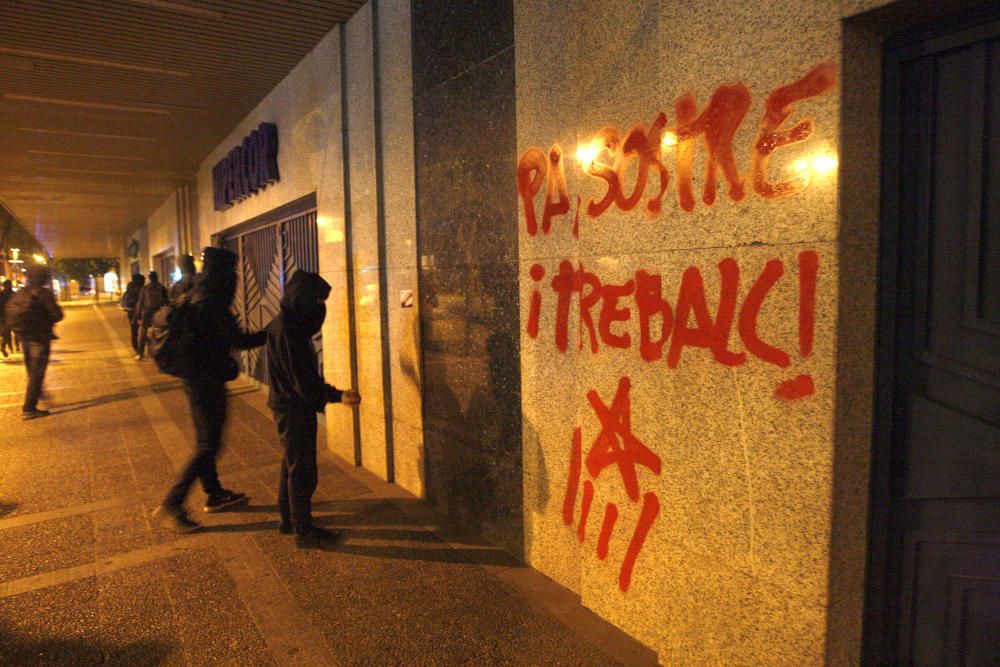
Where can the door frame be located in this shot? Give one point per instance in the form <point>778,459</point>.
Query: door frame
<point>159,265</point>
<point>886,514</point>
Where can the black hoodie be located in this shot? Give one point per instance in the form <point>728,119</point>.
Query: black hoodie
<point>131,295</point>
<point>292,368</point>
<point>186,265</point>
<point>214,325</point>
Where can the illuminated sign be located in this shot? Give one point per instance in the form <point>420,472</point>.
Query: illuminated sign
<point>249,167</point>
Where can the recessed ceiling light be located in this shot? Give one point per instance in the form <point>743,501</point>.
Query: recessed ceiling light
<point>99,62</point>
<point>86,105</point>
<point>39,130</point>
<point>107,157</point>
<point>170,6</point>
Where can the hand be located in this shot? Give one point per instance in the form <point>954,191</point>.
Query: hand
<point>350,397</point>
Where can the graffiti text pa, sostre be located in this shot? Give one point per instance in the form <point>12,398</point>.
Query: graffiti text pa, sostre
<point>608,156</point>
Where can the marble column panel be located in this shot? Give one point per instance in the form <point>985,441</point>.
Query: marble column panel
<point>741,548</point>
<point>400,234</point>
<point>364,238</point>
<point>467,235</point>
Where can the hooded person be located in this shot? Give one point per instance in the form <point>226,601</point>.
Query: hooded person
<point>32,312</point>
<point>128,302</point>
<point>297,393</point>
<point>216,334</point>
<point>152,297</point>
<point>6,346</point>
<point>186,265</point>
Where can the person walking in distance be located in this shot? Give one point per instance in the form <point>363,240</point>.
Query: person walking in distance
<point>215,333</point>
<point>6,345</point>
<point>297,393</point>
<point>186,264</point>
<point>128,302</point>
<point>32,312</point>
<point>152,297</point>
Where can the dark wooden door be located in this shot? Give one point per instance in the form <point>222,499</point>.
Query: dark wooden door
<point>941,338</point>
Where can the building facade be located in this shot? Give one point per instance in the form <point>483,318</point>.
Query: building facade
<point>606,275</point>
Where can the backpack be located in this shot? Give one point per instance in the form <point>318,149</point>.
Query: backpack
<point>130,298</point>
<point>171,340</point>
<point>26,313</point>
<point>151,298</point>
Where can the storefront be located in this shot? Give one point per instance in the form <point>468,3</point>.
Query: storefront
<point>606,278</point>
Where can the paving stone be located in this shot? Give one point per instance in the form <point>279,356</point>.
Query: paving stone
<point>391,592</point>
<point>121,529</point>
<point>138,626</point>
<point>46,546</point>
<point>54,626</point>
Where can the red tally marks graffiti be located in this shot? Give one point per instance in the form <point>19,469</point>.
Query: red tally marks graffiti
<point>616,445</point>
<point>666,330</point>
<point>608,157</point>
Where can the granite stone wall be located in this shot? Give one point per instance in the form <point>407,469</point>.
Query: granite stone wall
<point>464,128</point>
<point>684,384</point>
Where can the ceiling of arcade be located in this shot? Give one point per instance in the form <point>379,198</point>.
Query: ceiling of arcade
<point>107,105</point>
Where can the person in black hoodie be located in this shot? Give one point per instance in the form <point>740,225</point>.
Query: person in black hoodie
<point>216,333</point>
<point>32,312</point>
<point>186,265</point>
<point>152,297</point>
<point>129,299</point>
<point>298,392</point>
<point>5,340</point>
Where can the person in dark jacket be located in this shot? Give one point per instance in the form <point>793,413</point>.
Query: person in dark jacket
<point>298,392</point>
<point>217,333</point>
<point>152,297</point>
<point>129,299</point>
<point>6,346</point>
<point>32,312</point>
<point>186,265</point>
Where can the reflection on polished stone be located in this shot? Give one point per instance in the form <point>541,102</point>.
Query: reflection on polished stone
<point>467,230</point>
<point>456,36</point>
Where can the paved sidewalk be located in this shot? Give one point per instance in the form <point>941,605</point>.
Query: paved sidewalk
<point>86,580</point>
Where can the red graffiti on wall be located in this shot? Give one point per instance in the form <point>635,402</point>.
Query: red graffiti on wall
<point>687,324</point>
<point>615,446</point>
<point>632,172</point>
<point>609,156</point>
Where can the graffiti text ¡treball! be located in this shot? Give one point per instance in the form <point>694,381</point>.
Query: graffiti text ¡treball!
<point>613,305</point>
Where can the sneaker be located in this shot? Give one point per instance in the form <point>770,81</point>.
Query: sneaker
<point>34,414</point>
<point>175,520</point>
<point>285,528</point>
<point>317,538</point>
<point>223,499</point>
<point>138,357</point>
